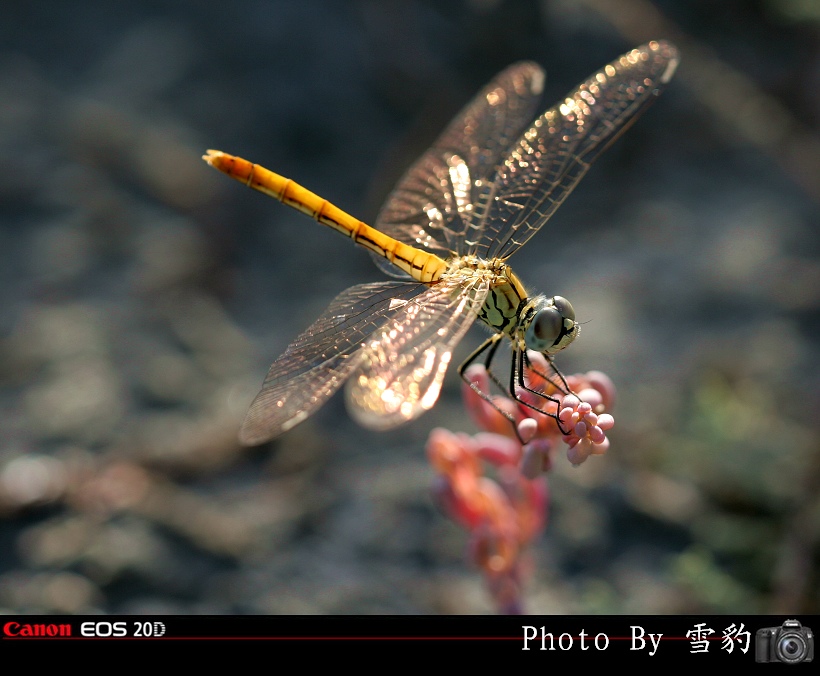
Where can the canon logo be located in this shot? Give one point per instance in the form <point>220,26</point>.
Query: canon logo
<point>35,630</point>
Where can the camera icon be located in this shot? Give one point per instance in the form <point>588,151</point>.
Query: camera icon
<point>791,644</point>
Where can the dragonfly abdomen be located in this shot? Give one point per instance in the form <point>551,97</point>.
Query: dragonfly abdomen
<point>420,265</point>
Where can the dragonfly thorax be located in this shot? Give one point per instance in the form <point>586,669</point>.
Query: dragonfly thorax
<point>546,325</point>
<point>506,295</point>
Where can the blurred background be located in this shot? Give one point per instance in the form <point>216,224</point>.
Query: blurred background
<point>144,296</point>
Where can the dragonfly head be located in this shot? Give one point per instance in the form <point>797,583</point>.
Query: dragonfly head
<point>551,326</point>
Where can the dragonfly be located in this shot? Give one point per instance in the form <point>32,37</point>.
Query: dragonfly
<point>490,181</point>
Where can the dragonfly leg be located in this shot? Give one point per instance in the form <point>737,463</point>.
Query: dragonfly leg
<point>562,387</point>
<point>488,365</point>
<point>490,346</point>
<point>519,363</point>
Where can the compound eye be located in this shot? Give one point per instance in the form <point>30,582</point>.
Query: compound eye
<point>544,329</point>
<point>564,307</point>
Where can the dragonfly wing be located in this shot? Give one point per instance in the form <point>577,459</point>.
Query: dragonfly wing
<point>432,206</point>
<point>316,364</point>
<point>403,363</point>
<point>553,155</point>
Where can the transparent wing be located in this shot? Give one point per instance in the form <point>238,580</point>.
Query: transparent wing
<point>432,206</point>
<point>316,364</point>
<point>403,364</point>
<point>553,155</point>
